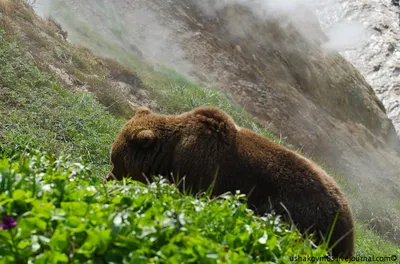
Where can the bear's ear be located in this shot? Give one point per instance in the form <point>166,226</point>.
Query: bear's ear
<point>214,118</point>
<point>145,138</point>
<point>142,110</point>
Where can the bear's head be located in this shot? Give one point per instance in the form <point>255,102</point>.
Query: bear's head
<point>152,144</point>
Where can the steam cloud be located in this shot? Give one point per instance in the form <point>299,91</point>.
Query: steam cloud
<point>42,7</point>
<point>341,34</point>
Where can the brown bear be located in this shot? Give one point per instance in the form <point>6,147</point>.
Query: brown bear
<point>207,147</point>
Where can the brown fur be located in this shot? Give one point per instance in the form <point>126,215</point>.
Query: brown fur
<point>205,140</point>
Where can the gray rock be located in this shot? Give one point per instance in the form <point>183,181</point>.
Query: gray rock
<point>378,59</point>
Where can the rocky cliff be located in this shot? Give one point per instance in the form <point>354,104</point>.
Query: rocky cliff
<point>378,59</point>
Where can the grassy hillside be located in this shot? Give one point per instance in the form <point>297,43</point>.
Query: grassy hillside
<point>63,210</point>
<point>38,112</point>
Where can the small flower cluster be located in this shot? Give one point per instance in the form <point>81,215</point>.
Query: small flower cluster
<point>8,222</point>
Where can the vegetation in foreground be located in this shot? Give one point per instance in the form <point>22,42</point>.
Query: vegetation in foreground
<point>36,110</point>
<point>55,211</point>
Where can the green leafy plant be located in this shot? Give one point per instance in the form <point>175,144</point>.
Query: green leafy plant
<point>57,212</point>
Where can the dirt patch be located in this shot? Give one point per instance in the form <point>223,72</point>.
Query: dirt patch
<point>70,81</point>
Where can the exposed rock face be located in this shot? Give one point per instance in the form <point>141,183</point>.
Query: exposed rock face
<point>379,58</point>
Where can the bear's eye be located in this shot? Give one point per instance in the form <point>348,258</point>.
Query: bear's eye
<point>145,138</point>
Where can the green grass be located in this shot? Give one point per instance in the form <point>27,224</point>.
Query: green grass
<point>65,215</point>
<point>39,113</point>
<point>369,243</point>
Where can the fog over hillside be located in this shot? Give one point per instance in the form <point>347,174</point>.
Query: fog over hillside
<point>342,34</point>
<point>361,30</point>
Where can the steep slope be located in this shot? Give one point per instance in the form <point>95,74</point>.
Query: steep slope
<point>316,100</point>
<point>114,85</point>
